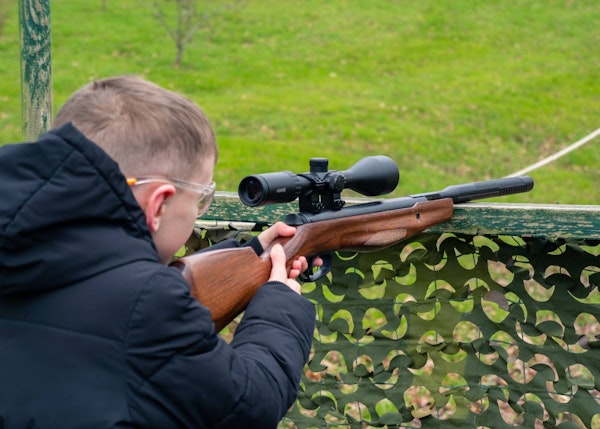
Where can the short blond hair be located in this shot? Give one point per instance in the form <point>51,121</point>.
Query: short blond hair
<point>147,129</point>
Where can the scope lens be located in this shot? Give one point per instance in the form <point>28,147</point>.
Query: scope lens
<point>253,192</point>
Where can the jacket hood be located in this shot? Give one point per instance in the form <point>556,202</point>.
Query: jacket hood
<point>66,213</point>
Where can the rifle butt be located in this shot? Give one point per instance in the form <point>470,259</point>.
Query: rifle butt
<point>225,280</point>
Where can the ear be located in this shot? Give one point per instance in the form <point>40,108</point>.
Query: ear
<point>155,205</point>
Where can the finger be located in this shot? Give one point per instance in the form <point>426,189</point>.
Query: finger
<point>267,236</point>
<point>284,230</point>
<point>300,264</point>
<point>278,258</point>
<point>280,229</point>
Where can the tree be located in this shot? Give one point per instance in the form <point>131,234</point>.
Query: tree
<point>183,18</point>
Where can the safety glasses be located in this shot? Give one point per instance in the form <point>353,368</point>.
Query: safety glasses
<point>206,192</point>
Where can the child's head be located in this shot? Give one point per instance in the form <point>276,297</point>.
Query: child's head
<point>161,141</point>
<point>147,129</point>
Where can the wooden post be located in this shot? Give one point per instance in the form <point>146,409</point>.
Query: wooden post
<point>36,67</point>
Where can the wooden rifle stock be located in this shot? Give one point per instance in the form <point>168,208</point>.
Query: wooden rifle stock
<point>225,280</point>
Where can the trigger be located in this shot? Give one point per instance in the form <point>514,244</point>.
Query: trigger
<point>310,275</point>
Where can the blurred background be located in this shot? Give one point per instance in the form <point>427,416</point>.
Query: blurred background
<point>453,90</point>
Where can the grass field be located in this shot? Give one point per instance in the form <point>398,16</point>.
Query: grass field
<point>452,90</point>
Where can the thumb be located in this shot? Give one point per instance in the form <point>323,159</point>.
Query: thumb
<point>278,260</point>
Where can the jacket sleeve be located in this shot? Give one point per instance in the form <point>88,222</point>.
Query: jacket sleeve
<point>182,374</point>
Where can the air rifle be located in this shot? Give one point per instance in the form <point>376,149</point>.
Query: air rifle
<point>325,224</point>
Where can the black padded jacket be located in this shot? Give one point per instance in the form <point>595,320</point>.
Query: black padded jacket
<point>96,333</point>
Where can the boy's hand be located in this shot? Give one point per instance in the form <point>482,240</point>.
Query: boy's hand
<point>279,271</point>
<point>280,229</point>
<point>278,257</point>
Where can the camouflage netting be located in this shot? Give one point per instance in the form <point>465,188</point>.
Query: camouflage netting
<point>448,330</point>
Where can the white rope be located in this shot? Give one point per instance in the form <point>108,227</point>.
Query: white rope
<point>558,154</point>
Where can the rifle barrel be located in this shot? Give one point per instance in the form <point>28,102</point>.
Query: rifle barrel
<point>479,190</point>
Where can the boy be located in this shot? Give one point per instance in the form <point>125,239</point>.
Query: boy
<point>96,331</point>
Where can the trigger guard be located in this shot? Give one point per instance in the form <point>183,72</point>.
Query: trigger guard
<point>308,276</point>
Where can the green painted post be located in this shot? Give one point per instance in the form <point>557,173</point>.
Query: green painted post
<point>36,67</point>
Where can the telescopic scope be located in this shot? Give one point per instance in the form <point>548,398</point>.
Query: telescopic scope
<point>371,176</point>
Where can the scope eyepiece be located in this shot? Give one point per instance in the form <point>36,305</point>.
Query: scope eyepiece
<point>271,188</point>
<point>252,193</point>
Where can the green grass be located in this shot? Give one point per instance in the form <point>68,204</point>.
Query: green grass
<point>453,90</point>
